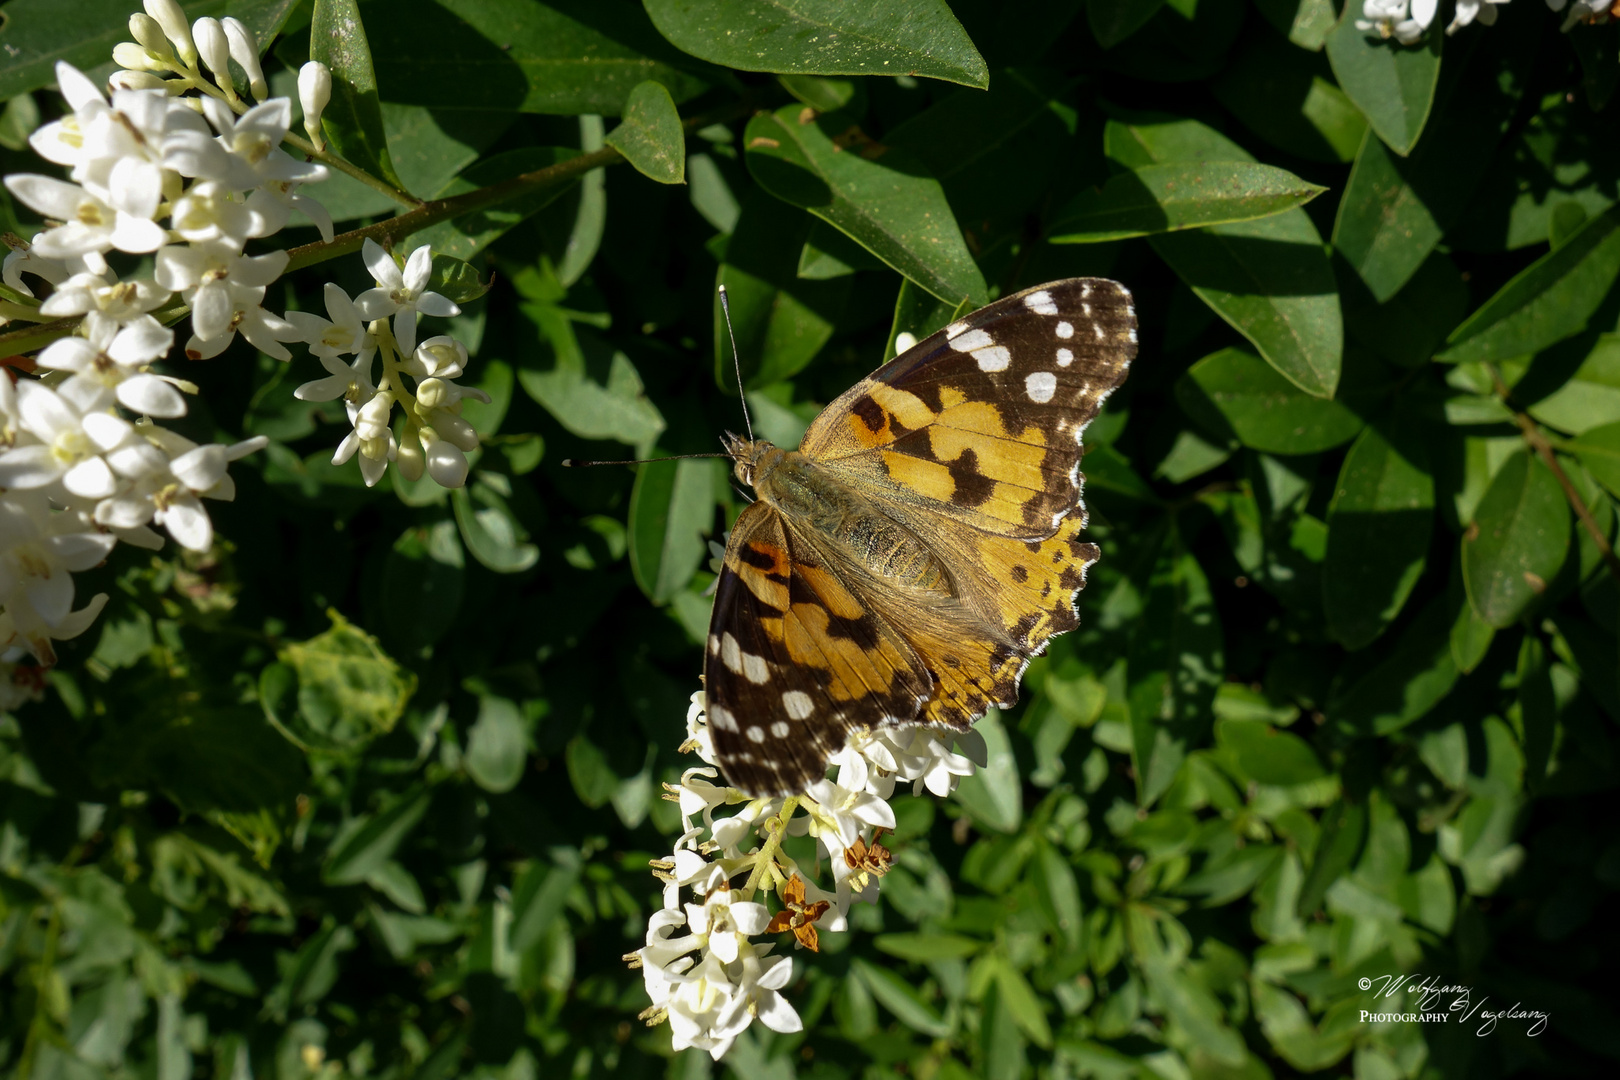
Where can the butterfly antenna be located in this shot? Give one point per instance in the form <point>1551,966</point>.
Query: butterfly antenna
<point>725,306</point>
<point>575,463</point>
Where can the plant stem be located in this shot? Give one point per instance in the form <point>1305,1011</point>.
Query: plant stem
<point>1538,442</point>
<point>773,844</point>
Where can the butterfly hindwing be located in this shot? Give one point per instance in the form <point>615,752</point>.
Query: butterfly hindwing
<point>982,420</point>
<point>795,660</point>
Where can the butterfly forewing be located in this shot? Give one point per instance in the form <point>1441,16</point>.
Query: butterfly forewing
<point>983,419</point>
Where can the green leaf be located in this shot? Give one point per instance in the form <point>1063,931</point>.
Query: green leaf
<point>369,841</point>
<point>1591,396</point>
<point>781,320</point>
<point>1306,22</point>
<point>352,120</point>
<point>834,37</point>
<point>1180,195</point>
<point>918,314</point>
<point>1599,450</point>
<point>589,388</point>
<point>467,235</point>
<point>1175,665</point>
<point>1268,278</point>
<point>18,121</point>
<point>901,999</point>
<point>349,690</point>
<point>1407,328</point>
<point>671,511</point>
<point>538,898</point>
<point>1411,675</point>
<point>994,795</point>
<point>456,280</point>
<point>1020,999</point>
<point>1112,21</point>
<point>827,95</point>
<point>650,135</point>
<point>1546,302</point>
<point>925,948</point>
<point>1338,845</point>
<point>1379,524</point>
<point>1392,84</point>
<point>497,746</point>
<point>1280,93</point>
<point>1517,542</point>
<point>423,577</point>
<point>1234,395</point>
<point>489,528</point>
<point>563,57</point>
<point>873,193</point>
<point>1261,753</point>
<point>1058,893</point>
<point>1194,1009</point>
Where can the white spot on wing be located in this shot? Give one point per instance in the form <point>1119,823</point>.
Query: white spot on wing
<point>780,729</point>
<point>1041,303</point>
<point>1133,335</point>
<point>965,340</point>
<point>1065,358</point>
<point>755,670</point>
<point>1065,330</point>
<point>721,717</point>
<point>995,358</point>
<point>903,342</point>
<point>1085,309</point>
<point>756,733</point>
<point>1040,385</point>
<point>798,704</point>
<point>1098,330</point>
<point>1085,292</point>
<point>731,654</point>
<point>714,645</point>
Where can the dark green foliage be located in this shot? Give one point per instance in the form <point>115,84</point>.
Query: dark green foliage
<point>372,788</point>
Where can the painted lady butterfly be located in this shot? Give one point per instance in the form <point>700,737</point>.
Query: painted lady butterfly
<point>904,564</point>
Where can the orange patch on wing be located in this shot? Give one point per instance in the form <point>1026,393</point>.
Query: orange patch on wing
<point>1036,589</point>
<point>928,478</point>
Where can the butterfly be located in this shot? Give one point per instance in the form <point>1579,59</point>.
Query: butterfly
<point>904,564</point>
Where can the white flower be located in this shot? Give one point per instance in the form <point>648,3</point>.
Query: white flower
<point>40,550</point>
<point>401,293</point>
<point>109,363</point>
<point>1484,10</point>
<point>1389,18</point>
<point>208,211</point>
<point>28,260</point>
<point>253,141</point>
<point>441,356</point>
<point>344,333</point>
<point>314,91</point>
<point>225,290</point>
<point>758,993</point>
<point>352,382</point>
<point>697,1004</point>
<point>88,223</point>
<point>276,200</point>
<point>167,488</point>
<point>1593,11</point>
<point>69,448</point>
<point>119,300</point>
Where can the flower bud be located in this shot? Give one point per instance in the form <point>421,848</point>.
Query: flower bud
<point>410,460</point>
<point>127,54</point>
<point>314,91</point>
<point>136,80</point>
<point>445,462</point>
<point>215,52</point>
<point>457,430</point>
<point>245,51</point>
<point>172,18</point>
<point>432,393</point>
<point>376,449</point>
<point>145,30</point>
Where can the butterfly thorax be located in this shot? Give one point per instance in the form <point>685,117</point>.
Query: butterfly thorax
<point>817,503</point>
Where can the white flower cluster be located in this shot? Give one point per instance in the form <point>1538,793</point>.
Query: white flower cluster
<point>188,181</point>
<point>702,967</point>
<point>436,438</point>
<point>1408,20</point>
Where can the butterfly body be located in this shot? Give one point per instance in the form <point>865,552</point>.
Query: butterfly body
<point>903,565</point>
